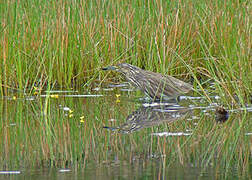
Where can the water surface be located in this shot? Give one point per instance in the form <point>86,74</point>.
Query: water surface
<point>114,132</point>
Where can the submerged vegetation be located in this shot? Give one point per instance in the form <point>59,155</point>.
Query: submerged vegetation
<point>66,43</point>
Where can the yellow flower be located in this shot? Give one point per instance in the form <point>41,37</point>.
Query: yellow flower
<point>117,98</point>
<point>35,93</point>
<point>82,119</point>
<point>70,111</point>
<point>14,97</point>
<point>54,96</point>
<point>70,115</point>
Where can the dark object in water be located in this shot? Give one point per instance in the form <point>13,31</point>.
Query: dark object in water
<point>221,115</point>
<point>150,116</point>
<point>155,85</point>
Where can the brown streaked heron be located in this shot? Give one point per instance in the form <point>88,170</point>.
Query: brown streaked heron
<point>155,85</point>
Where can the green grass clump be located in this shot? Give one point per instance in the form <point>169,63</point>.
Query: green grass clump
<point>67,42</point>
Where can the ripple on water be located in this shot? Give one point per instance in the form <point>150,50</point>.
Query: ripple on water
<point>10,172</point>
<point>171,134</point>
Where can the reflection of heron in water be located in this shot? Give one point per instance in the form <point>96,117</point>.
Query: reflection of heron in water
<point>151,116</point>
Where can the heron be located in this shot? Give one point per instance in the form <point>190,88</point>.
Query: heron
<point>155,85</point>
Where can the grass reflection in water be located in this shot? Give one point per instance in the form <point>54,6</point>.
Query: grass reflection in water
<point>41,133</point>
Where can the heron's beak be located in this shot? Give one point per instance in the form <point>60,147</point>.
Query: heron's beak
<point>109,68</point>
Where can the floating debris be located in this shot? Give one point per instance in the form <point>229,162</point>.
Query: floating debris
<point>10,172</point>
<point>66,109</point>
<point>97,89</point>
<point>64,170</point>
<point>171,134</point>
<point>221,115</point>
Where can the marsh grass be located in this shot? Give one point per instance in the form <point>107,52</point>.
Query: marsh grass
<point>65,43</point>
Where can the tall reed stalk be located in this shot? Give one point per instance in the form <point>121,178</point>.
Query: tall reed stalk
<point>77,38</point>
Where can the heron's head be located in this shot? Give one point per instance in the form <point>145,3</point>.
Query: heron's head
<point>124,68</point>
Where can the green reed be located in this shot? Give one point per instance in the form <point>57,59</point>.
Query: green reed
<point>75,39</point>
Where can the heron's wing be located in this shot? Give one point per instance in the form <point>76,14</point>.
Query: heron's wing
<point>169,83</point>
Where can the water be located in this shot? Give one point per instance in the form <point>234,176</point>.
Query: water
<point>119,171</point>
<point>117,134</point>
